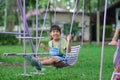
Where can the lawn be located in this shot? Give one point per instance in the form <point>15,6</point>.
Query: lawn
<point>86,68</point>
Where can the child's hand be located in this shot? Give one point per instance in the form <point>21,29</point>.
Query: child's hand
<point>69,37</point>
<point>42,45</point>
<point>113,43</point>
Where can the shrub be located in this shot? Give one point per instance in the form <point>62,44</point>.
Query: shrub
<point>108,31</point>
<point>67,26</point>
<point>8,39</point>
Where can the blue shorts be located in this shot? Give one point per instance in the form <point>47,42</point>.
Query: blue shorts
<point>62,59</point>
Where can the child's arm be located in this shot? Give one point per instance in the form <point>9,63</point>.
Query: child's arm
<point>115,37</point>
<point>69,47</point>
<point>69,44</point>
<point>44,47</point>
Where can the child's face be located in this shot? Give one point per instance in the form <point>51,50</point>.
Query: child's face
<point>55,34</point>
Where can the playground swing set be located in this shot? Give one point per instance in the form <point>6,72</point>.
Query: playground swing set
<point>73,55</point>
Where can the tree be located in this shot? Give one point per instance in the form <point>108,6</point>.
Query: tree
<point>11,9</point>
<point>2,9</point>
<point>66,4</point>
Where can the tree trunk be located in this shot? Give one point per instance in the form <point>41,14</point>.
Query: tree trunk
<point>11,5</point>
<point>98,24</point>
<point>50,15</point>
<point>90,21</point>
<point>78,5</point>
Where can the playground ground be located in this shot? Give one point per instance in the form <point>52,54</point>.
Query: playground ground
<point>86,68</point>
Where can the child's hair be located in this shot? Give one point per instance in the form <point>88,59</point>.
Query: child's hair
<point>55,27</point>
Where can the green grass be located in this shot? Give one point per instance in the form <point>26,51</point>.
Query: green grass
<point>86,68</point>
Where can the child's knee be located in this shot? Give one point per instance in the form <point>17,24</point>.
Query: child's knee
<point>54,59</point>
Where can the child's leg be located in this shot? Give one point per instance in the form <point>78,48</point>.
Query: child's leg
<point>50,61</point>
<point>42,59</point>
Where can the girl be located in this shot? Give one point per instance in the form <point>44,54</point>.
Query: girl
<point>114,42</point>
<point>57,49</point>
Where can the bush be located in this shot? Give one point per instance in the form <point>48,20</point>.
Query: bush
<point>67,26</point>
<point>44,33</point>
<point>108,31</point>
<point>8,39</point>
<point>44,40</point>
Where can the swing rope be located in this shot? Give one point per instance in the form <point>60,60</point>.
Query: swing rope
<point>24,40</point>
<point>54,11</point>
<point>36,25</point>
<point>73,17</point>
<point>73,55</point>
<point>42,27</point>
<point>103,40</point>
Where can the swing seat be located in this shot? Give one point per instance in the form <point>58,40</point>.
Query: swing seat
<point>114,74</point>
<point>117,55</point>
<point>71,57</point>
<point>116,60</point>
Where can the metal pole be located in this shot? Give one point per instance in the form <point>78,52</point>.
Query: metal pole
<point>24,40</point>
<point>26,25</point>
<point>36,25</point>
<point>103,39</point>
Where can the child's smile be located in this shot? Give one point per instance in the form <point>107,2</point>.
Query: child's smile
<point>55,34</point>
